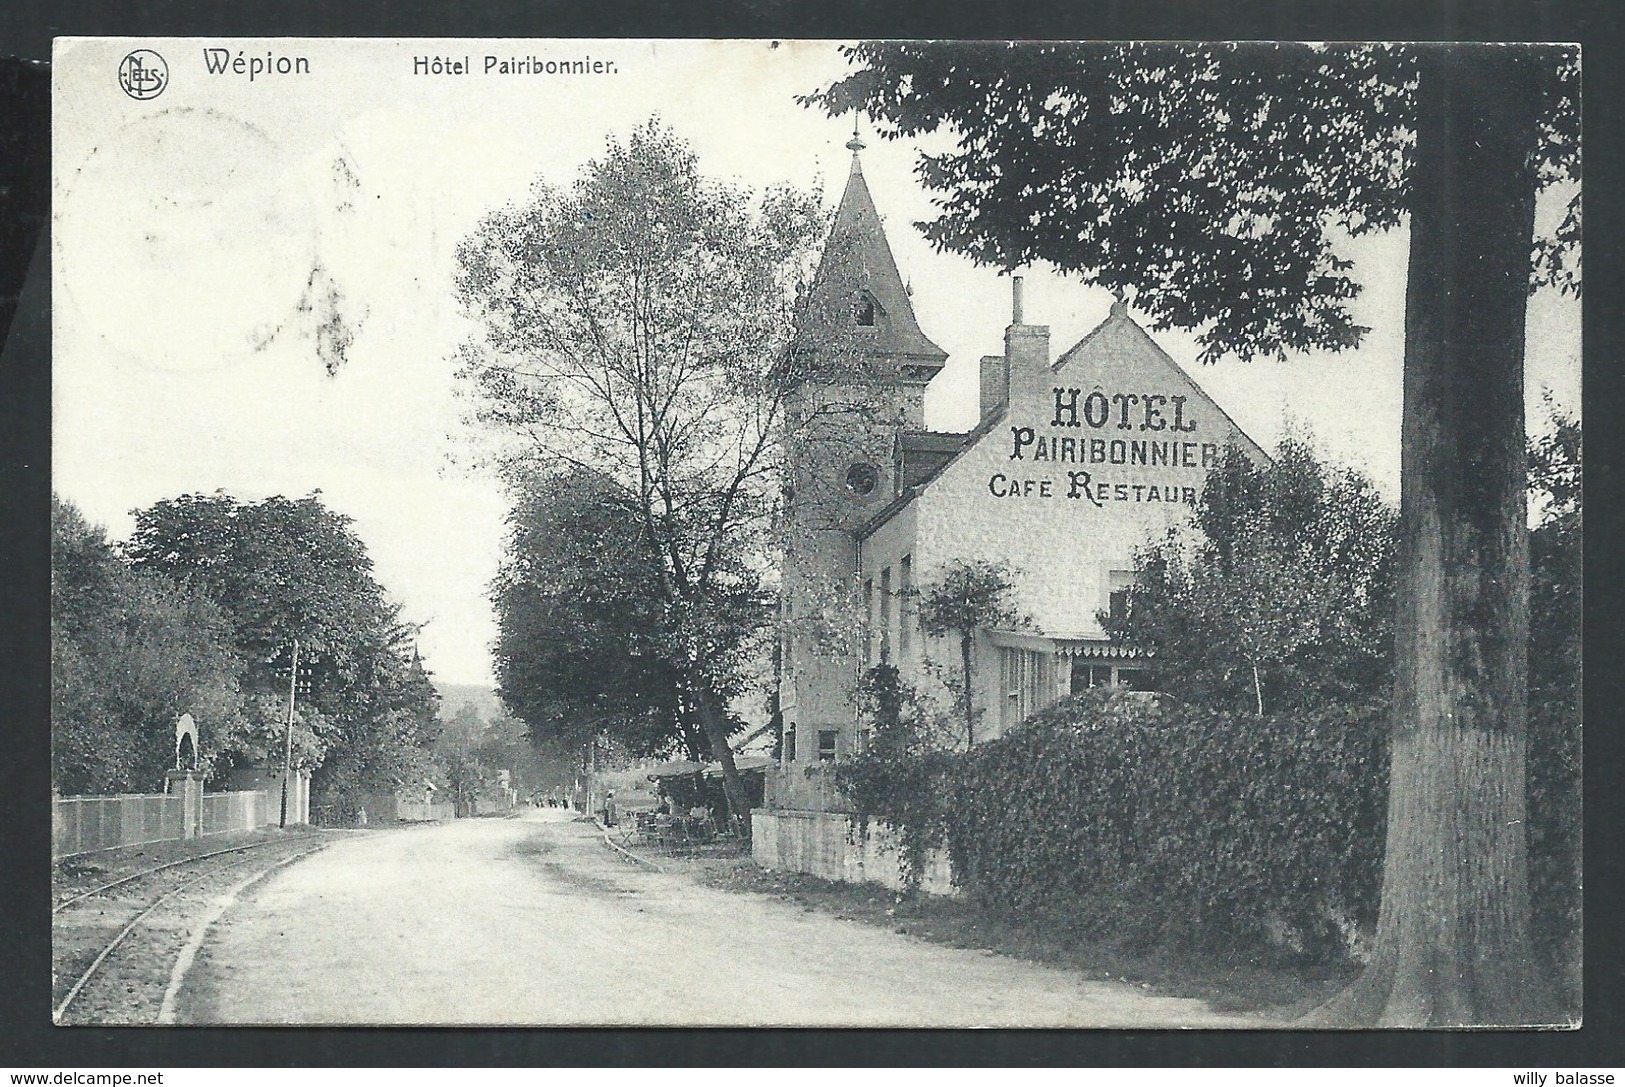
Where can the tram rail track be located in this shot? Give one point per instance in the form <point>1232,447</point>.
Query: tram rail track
<point>148,872</point>
<point>106,930</point>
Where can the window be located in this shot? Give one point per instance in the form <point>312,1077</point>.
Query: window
<point>826,745</point>
<point>790,743</point>
<point>885,616</point>
<point>905,615</point>
<point>787,645</point>
<point>866,310</point>
<point>1120,584</point>
<point>1085,676</point>
<point>1025,679</point>
<point>862,479</point>
<point>868,622</point>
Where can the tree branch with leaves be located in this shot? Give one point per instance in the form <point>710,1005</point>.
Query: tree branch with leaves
<point>966,597</point>
<point>635,326</point>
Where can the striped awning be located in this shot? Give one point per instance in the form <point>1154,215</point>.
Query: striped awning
<point>1099,649</point>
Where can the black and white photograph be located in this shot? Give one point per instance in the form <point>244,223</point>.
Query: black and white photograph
<point>807,533</point>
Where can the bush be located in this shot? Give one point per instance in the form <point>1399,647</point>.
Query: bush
<point>903,776</point>
<point>1214,828</point>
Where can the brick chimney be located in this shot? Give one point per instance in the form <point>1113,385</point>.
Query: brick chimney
<point>1026,350</point>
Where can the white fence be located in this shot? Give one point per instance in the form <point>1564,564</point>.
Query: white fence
<point>416,811</point>
<point>225,812</point>
<point>86,824</point>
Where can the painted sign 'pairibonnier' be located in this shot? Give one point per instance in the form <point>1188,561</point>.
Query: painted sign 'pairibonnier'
<point>1169,417</point>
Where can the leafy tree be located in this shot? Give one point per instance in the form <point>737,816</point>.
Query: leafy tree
<point>1284,585</point>
<point>1214,184</point>
<point>1260,610</point>
<point>291,568</point>
<point>130,654</point>
<point>456,758</point>
<point>584,645</point>
<point>635,326</point>
<point>506,744</point>
<point>965,597</point>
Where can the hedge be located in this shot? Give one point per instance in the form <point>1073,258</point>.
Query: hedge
<point>1160,822</point>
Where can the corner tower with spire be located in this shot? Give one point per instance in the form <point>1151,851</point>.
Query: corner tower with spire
<point>856,322</point>
<point>861,364</point>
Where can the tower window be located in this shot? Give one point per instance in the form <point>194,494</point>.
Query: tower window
<point>868,621</point>
<point>866,310</point>
<point>862,479</point>
<point>905,604</point>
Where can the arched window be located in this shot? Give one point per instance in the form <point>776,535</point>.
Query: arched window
<point>866,310</point>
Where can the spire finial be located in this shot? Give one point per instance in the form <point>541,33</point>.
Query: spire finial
<point>1119,307</point>
<point>855,144</point>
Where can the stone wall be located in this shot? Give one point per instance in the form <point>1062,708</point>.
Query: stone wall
<point>828,845</point>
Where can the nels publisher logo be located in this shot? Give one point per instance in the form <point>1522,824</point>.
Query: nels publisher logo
<point>143,74</point>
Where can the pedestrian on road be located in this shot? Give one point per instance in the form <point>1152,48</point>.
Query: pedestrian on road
<point>609,809</point>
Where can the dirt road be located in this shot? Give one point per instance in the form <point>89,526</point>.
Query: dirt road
<point>533,921</point>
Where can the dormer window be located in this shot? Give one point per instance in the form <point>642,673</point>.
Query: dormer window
<point>866,311</point>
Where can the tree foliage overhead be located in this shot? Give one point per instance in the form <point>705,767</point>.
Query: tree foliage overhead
<point>635,326</point>
<point>1281,594</point>
<point>131,652</point>
<point>285,569</point>
<point>585,644</point>
<point>1212,184</point>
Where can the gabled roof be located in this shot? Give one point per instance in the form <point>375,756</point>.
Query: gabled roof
<point>932,451</point>
<point>858,261</point>
<point>1121,323</point>
<point>907,491</point>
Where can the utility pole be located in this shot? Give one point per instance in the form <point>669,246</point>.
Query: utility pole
<point>287,749</point>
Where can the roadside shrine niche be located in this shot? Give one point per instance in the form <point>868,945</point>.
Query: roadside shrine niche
<point>185,742</point>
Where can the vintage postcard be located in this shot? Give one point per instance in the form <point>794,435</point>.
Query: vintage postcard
<point>815,534</point>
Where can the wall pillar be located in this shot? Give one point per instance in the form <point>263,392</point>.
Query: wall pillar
<point>188,785</point>
<point>298,796</point>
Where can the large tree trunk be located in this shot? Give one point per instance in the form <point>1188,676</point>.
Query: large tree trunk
<point>1452,945</point>
<point>716,729</point>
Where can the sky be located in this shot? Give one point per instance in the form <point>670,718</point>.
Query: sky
<point>187,227</point>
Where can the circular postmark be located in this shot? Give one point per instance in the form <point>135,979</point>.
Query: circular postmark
<point>184,241</point>
<point>143,74</point>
